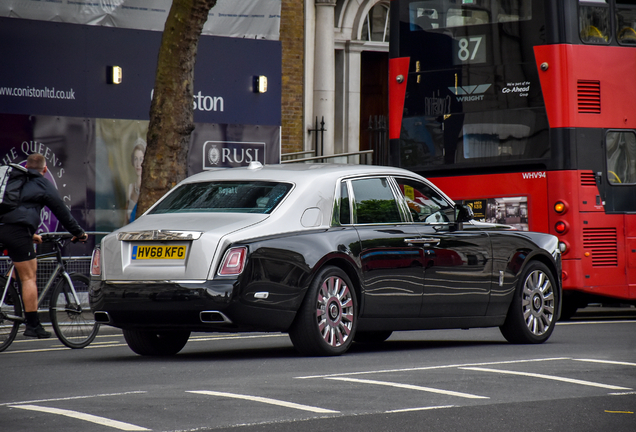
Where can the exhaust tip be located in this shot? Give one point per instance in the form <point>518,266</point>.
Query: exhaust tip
<point>213,317</point>
<point>102,317</point>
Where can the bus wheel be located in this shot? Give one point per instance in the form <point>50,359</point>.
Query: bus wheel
<point>531,317</point>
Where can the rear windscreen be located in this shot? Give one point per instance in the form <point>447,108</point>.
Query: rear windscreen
<point>224,197</point>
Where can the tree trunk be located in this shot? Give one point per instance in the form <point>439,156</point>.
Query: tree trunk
<point>171,110</point>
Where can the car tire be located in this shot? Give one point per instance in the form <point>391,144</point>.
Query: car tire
<point>372,337</point>
<point>326,321</point>
<point>532,314</point>
<point>156,343</point>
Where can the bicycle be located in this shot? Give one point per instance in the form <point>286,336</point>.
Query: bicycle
<point>69,309</point>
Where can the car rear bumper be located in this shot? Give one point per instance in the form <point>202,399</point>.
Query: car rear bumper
<point>209,306</point>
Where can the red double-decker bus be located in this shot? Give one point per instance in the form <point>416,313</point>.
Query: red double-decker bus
<point>526,110</point>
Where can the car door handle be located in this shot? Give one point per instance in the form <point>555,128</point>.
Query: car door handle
<point>423,240</point>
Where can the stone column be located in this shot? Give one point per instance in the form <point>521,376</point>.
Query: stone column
<point>354,61</point>
<point>324,71</point>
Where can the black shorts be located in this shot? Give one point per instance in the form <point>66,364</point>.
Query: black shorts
<point>18,241</point>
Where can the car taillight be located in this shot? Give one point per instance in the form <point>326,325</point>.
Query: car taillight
<point>96,265</point>
<point>233,262</point>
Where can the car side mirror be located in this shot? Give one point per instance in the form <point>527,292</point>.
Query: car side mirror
<point>463,213</point>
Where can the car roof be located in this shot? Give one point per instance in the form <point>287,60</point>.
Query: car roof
<point>296,172</point>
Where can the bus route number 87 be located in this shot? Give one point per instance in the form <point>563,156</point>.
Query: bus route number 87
<point>469,50</point>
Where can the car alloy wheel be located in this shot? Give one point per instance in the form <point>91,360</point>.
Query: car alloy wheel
<point>538,302</point>
<point>334,311</point>
<point>532,313</point>
<point>326,321</point>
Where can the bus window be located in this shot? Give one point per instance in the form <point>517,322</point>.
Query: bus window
<point>424,15</point>
<point>488,140</point>
<point>594,22</point>
<point>514,10</point>
<point>465,17</point>
<point>436,14</point>
<point>626,22</point>
<point>621,157</point>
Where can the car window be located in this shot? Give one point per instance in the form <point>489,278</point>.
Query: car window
<point>425,203</point>
<point>345,212</point>
<point>224,197</point>
<point>374,201</point>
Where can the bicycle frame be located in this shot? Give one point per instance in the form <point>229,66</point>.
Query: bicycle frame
<point>60,269</point>
<point>66,310</point>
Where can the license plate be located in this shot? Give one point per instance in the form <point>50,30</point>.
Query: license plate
<point>162,252</point>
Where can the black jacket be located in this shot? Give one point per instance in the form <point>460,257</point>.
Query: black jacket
<point>37,193</point>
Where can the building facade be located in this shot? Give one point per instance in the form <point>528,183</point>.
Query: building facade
<point>59,97</point>
<point>344,55</point>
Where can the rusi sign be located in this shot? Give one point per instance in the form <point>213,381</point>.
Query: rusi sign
<point>231,154</point>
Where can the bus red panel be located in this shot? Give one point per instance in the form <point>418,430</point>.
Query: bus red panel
<point>397,94</point>
<point>573,71</point>
<point>532,185</point>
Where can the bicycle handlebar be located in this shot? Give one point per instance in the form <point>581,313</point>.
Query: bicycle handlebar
<point>48,236</point>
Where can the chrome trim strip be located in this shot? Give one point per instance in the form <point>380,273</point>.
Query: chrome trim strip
<point>425,241</point>
<point>154,282</point>
<point>158,235</point>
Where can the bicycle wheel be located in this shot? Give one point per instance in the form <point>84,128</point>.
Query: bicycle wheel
<point>10,315</point>
<point>74,324</point>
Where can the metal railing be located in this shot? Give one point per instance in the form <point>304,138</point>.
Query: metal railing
<point>364,157</point>
<point>297,155</point>
<point>379,139</point>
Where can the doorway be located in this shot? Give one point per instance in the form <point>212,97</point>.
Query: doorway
<point>374,101</point>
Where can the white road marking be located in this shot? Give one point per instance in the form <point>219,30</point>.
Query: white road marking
<point>550,377</point>
<point>34,350</point>
<point>83,416</point>
<point>104,342</point>
<point>112,344</point>
<point>74,397</point>
<point>213,338</point>
<point>267,401</point>
<point>409,387</point>
<point>419,409</point>
<point>606,362</point>
<point>595,322</point>
<point>423,368</point>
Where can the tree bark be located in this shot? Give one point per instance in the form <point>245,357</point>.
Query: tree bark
<point>171,109</point>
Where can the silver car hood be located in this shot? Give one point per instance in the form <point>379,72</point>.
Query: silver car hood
<point>207,229</point>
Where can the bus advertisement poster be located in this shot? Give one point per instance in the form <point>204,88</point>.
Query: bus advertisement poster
<point>508,210</point>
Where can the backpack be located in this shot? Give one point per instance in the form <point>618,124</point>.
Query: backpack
<point>12,178</point>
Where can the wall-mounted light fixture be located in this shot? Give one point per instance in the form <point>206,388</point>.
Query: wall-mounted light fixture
<point>260,84</point>
<point>113,74</point>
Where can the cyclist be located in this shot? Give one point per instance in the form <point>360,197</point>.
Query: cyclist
<point>18,233</point>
